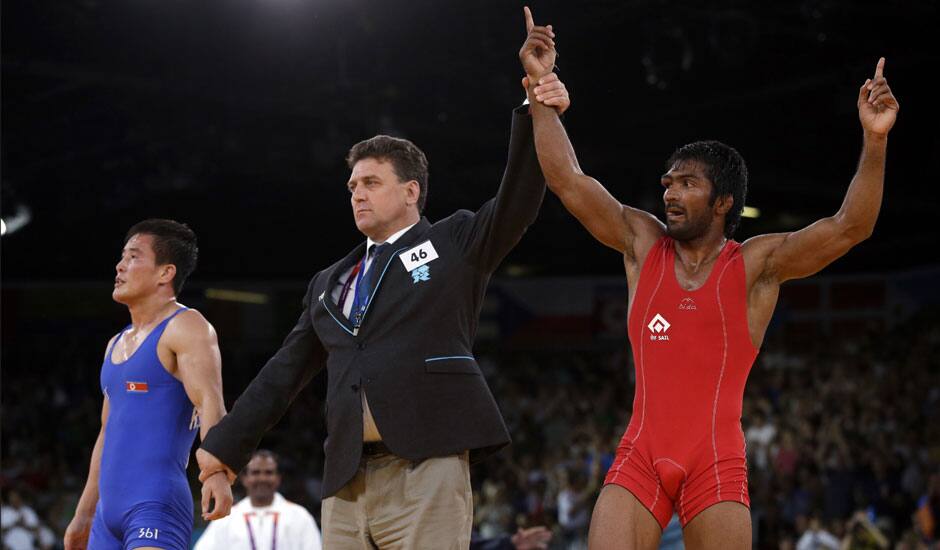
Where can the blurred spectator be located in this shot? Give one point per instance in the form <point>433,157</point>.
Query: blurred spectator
<point>850,424</point>
<point>817,538</point>
<point>493,514</point>
<point>786,455</point>
<point>576,495</point>
<point>928,509</point>
<point>862,534</point>
<point>263,520</point>
<point>21,528</point>
<point>533,538</point>
<point>759,436</point>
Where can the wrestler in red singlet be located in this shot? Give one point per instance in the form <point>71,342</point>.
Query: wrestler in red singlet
<point>684,449</point>
<point>700,305</point>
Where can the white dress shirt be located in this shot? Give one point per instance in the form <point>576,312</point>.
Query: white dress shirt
<point>370,432</point>
<point>347,306</point>
<point>296,528</point>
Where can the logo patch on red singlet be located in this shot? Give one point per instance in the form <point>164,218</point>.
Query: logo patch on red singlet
<point>136,387</point>
<point>658,326</point>
<point>687,304</point>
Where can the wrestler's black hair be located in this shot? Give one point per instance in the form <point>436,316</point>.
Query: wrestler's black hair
<point>407,159</point>
<point>725,168</point>
<point>173,243</point>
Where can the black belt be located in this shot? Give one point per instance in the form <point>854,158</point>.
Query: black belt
<point>375,448</point>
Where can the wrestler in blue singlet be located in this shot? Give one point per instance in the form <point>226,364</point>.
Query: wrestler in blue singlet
<point>144,496</point>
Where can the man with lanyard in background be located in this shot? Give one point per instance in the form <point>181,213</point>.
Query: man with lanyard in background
<point>263,520</point>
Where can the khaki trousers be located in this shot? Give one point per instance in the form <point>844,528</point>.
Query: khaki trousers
<point>394,503</point>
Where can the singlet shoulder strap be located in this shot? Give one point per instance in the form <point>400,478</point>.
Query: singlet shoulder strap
<point>175,313</point>
<point>114,342</point>
<point>663,246</point>
<point>661,251</point>
<point>158,331</point>
<point>153,339</point>
<point>731,251</point>
<point>162,326</point>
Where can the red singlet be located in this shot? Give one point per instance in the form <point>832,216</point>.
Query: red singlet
<point>684,447</point>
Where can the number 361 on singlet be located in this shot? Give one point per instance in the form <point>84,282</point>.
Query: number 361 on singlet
<point>148,533</point>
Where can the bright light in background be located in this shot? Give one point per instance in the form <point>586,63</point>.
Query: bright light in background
<point>18,221</point>
<point>751,212</point>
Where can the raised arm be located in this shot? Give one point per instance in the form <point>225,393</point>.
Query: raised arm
<point>625,229</point>
<point>802,253</point>
<point>487,235</point>
<point>79,529</point>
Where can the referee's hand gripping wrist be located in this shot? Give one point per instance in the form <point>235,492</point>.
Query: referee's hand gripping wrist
<point>209,465</point>
<point>206,474</point>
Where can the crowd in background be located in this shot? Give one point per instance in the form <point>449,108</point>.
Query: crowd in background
<point>843,438</point>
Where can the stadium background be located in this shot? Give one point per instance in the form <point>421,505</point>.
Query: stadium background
<point>235,117</point>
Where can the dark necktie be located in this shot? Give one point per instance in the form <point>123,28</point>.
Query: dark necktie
<point>366,285</point>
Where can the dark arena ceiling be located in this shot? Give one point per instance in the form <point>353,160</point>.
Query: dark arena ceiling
<point>235,116</point>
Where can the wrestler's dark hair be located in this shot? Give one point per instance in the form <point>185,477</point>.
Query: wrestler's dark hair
<point>173,243</point>
<point>407,159</point>
<point>725,168</point>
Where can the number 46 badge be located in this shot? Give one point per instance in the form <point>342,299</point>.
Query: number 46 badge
<point>416,260</point>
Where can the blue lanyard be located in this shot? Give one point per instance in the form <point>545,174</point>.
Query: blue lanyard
<point>359,305</point>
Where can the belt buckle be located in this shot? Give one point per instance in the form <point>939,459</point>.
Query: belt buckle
<point>374,448</point>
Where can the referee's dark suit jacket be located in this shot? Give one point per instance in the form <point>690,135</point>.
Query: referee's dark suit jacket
<point>413,353</point>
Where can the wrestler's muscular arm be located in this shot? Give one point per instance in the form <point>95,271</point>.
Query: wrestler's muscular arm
<point>772,259</point>
<point>193,341</point>
<point>79,529</point>
<point>628,230</point>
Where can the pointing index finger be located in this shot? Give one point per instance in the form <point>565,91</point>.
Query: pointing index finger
<point>529,23</point>
<point>879,69</point>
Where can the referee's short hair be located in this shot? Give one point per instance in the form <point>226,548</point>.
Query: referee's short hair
<point>407,159</point>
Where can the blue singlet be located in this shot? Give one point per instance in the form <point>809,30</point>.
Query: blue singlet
<point>144,496</point>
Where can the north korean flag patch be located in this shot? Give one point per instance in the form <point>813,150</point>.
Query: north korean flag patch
<point>136,387</point>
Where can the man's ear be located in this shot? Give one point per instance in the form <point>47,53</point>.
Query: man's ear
<point>167,274</point>
<point>724,204</point>
<point>414,192</point>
